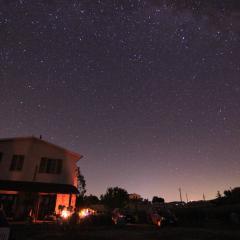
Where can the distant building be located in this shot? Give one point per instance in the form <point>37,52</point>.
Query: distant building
<point>36,177</point>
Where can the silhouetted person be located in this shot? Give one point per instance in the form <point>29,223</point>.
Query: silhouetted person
<point>74,218</point>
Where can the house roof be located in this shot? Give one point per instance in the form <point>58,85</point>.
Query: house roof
<point>32,138</point>
<point>41,187</point>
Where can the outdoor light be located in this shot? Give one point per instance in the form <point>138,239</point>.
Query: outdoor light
<point>86,212</point>
<point>65,214</point>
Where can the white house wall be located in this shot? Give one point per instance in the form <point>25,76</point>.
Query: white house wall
<point>34,150</point>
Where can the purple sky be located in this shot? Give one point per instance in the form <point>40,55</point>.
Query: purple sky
<point>147,91</point>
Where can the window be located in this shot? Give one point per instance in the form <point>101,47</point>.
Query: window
<point>48,165</point>
<point>17,163</point>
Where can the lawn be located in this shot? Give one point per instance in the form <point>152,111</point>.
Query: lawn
<point>133,232</point>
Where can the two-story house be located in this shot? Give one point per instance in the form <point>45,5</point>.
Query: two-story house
<point>36,177</point>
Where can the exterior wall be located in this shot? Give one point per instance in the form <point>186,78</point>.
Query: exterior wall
<point>67,174</point>
<point>9,148</point>
<point>33,150</point>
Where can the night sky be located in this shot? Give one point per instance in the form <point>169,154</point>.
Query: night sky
<point>147,91</point>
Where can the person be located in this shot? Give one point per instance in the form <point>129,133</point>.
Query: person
<point>3,219</point>
<point>74,218</point>
<point>4,225</point>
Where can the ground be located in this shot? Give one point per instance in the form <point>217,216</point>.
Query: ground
<point>133,232</point>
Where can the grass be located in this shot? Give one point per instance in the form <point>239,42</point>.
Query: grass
<point>133,232</point>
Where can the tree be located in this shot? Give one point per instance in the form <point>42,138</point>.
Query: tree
<point>81,185</point>
<point>146,201</point>
<point>156,199</point>
<point>91,199</point>
<point>115,197</point>
<point>227,193</point>
<point>235,195</point>
<point>219,196</point>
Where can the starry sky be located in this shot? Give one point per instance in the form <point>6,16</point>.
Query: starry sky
<point>147,91</point>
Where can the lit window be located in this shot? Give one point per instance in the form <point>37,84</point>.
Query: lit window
<point>17,163</point>
<point>48,165</point>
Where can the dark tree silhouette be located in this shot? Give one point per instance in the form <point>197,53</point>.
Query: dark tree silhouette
<point>227,193</point>
<point>230,196</point>
<point>91,199</point>
<point>218,195</point>
<point>146,201</point>
<point>156,199</point>
<point>235,195</point>
<point>81,185</point>
<point>115,197</point>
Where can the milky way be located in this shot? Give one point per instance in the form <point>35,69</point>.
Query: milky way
<point>147,91</point>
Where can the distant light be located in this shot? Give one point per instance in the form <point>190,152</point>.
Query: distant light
<point>86,212</point>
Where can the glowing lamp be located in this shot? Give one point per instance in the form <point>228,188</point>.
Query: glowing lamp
<point>65,214</point>
<point>86,212</point>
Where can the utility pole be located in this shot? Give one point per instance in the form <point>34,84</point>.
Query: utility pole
<point>204,199</point>
<point>180,194</point>
<point>187,197</point>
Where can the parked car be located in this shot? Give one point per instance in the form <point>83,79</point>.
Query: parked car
<point>130,218</point>
<point>163,217</point>
<point>118,217</point>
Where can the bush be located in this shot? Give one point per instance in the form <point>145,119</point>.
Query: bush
<point>205,216</point>
<point>98,220</point>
